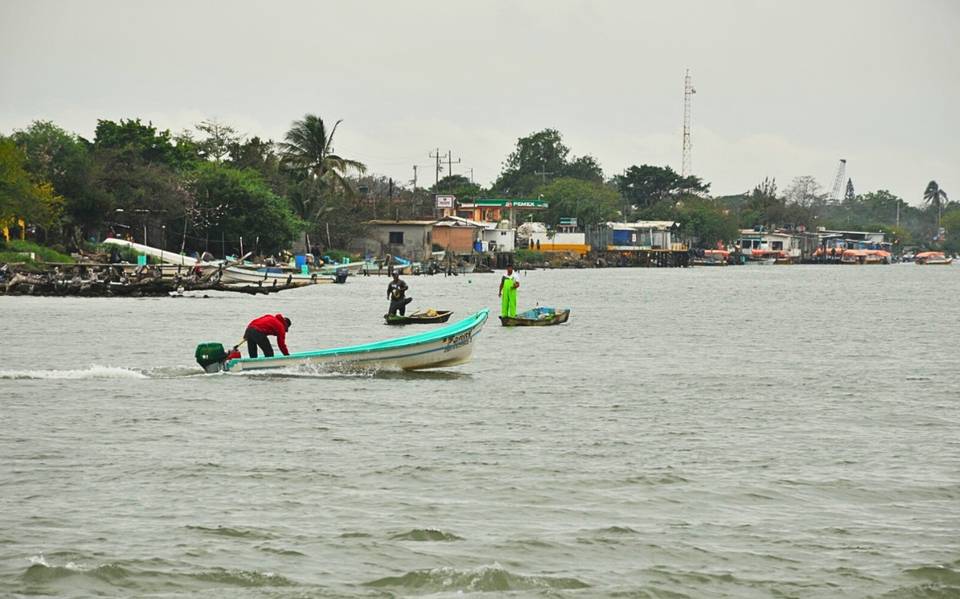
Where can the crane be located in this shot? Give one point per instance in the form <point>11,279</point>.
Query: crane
<point>836,194</point>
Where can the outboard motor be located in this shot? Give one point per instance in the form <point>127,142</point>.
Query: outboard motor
<point>211,356</point>
<point>341,275</point>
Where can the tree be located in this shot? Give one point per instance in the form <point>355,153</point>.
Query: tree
<point>132,140</point>
<point>231,203</point>
<point>459,186</point>
<point>22,197</point>
<point>308,150</point>
<point>587,201</point>
<point>319,172</point>
<point>934,198</point>
<point>585,167</point>
<point>805,192</point>
<point>706,220</point>
<point>219,138</point>
<point>645,185</point>
<point>61,158</point>
<point>850,194</point>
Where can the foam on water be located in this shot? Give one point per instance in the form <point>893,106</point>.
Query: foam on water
<point>93,372</point>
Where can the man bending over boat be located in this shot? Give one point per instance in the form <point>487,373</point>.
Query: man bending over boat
<point>396,293</point>
<point>258,330</point>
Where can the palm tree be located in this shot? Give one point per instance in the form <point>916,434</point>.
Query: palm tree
<point>308,152</point>
<point>309,149</point>
<point>935,198</point>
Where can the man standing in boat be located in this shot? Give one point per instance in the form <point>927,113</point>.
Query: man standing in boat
<point>396,293</point>
<point>508,293</point>
<point>258,330</point>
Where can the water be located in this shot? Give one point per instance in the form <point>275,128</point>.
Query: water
<point>727,432</point>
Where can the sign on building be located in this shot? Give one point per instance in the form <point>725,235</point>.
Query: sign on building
<point>445,201</point>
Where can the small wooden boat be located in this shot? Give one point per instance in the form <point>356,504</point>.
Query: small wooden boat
<point>428,317</point>
<point>538,317</point>
<point>445,346</point>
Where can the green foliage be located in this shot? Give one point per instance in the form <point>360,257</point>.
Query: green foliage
<point>65,161</point>
<point>587,201</point>
<point>645,185</point>
<point>707,221</point>
<point>541,157</point>
<point>530,256</point>
<point>951,222</point>
<point>131,140</point>
<point>21,196</point>
<point>245,206</point>
<point>459,186</point>
<point>15,247</point>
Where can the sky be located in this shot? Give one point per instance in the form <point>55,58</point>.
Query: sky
<point>784,88</point>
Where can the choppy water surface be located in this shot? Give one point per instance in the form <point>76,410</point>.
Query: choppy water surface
<point>731,432</point>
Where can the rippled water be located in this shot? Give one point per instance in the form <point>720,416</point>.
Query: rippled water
<point>728,432</point>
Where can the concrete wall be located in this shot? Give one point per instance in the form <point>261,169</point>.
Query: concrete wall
<point>458,240</point>
<point>416,246</point>
<point>503,238</point>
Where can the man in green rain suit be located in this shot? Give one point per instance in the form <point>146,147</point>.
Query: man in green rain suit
<point>508,293</point>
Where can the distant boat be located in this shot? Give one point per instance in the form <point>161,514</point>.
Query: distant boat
<point>419,317</point>
<point>537,317</point>
<point>933,259</point>
<point>445,346</point>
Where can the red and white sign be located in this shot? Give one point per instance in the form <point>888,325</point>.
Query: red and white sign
<point>445,201</point>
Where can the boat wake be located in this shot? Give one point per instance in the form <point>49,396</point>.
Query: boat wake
<point>350,371</point>
<point>98,372</point>
<point>92,372</point>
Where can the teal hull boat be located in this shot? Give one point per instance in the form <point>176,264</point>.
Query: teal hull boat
<point>442,347</point>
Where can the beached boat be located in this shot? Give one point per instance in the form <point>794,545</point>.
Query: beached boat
<point>933,258</point>
<point>445,346</point>
<point>427,317</point>
<point>537,317</point>
<point>354,268</point>
<point>225,272</point>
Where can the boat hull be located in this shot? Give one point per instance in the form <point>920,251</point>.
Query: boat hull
<point>559,317</point>
<point>443,347</point>
<point>442,316</point>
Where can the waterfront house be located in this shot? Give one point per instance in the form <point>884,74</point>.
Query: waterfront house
<point>408,239</point>
<point>564,238</point>
<point>494,210</point>
<point>633,237</point>
<point>758,243</point>
<point>457,235</point>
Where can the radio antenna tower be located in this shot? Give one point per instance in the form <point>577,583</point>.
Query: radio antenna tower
<point>836,194</point>
<point>688,91</point>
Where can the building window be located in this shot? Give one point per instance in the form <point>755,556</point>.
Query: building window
<point>396,237</point>
<point>776,245</point>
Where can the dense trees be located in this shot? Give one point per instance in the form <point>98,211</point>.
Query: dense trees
<point>209,188</point>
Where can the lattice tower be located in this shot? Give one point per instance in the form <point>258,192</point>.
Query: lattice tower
<point>836,194</point>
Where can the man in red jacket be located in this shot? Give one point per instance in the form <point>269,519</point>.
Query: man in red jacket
<point>268,324</point>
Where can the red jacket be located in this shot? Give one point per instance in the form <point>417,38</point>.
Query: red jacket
<point>272,324</point>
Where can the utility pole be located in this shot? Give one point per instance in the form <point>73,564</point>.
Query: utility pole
<point>471,175</point>
<point>450,163</point>
<point>688,91</point>
<point>437,158</point>
<point>543,174</point>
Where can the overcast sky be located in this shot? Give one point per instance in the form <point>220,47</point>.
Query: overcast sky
<point>783,88</point>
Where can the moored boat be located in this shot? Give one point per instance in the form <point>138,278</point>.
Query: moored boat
<point>537,317</point>
<point>427,317</point>
<point>446,346</point>
<point>933,258</point>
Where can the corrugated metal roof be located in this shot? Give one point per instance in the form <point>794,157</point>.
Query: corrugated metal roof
<point>421,223</point>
